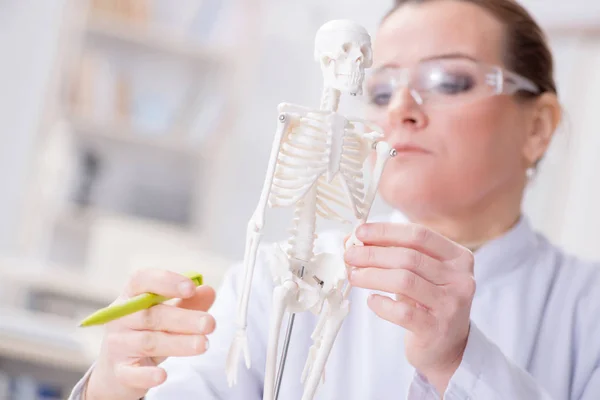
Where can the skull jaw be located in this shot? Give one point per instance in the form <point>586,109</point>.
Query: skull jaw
<point>349,82</point>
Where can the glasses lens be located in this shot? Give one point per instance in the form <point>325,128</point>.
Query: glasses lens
<point>438,83</point>
<point>380,87</point>
<point>452,81</point>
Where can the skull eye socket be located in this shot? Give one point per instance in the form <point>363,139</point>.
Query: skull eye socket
<point>347,47</point>
<point>364,50</point>
<point>326,60</point>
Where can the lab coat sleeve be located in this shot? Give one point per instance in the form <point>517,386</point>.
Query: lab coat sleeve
<point>586,379</point>
<point>77,392</point>
<point>592,388</point>
<point>203,377</point>
<point>484,373</point>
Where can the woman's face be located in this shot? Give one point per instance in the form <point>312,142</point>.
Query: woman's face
<point>472,154</point>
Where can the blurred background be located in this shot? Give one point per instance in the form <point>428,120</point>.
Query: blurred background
<point>136,133</point>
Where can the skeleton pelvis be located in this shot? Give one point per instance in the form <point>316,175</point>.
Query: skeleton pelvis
<point>316,279</point>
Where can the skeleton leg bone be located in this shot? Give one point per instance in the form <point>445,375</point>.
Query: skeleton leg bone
<point>330,272</point>
<point>339,309</point>
<point>317,338</point>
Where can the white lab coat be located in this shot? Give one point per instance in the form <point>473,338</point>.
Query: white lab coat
<point>535,335</point>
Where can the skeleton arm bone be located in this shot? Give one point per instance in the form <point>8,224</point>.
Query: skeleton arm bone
<point>256,223</point>
<point>240,341</point>
<point>384,152</point>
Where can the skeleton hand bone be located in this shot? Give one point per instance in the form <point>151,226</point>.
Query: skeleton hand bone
<point>240,342</point>
<point>239,345</point>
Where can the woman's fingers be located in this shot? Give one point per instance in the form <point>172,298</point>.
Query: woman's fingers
<point>202,300</point>
<point>412,317</point>
<point>172,319</point>
<point>140,377</point>
<point>156,344</point>
<point>164,283</point>
<point>399,257</point>
<point>413,236</point>
<point>398,281</point>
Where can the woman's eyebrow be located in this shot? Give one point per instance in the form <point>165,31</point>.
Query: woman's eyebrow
<point>449,55</point>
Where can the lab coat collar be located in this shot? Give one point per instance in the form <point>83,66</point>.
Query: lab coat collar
<point>502,254</point>
<point>505,253</point>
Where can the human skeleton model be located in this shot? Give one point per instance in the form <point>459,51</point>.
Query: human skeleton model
<point>316,162</point>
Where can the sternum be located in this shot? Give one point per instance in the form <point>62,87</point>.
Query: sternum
<point>305,214</point>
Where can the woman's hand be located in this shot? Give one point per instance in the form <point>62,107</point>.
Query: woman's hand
<point>432,280</point>
<point>133,346</point>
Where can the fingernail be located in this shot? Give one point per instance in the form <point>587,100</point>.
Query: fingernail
<point>186,288</point>
<point>198,343</point>
<point>362,231</point>
<point>202,324</point>
<point>206,345</point>
<point>353,272</point>
<point>157,377</point>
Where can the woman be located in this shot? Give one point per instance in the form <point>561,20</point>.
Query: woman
<point>418,327</point>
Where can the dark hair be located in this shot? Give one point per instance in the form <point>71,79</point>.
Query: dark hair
<point>527,51</point>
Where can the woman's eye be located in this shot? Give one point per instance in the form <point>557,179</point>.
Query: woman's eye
<point>454,84</point>
<point>380,97</point>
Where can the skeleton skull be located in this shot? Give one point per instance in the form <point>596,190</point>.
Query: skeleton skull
<point>343,48</point>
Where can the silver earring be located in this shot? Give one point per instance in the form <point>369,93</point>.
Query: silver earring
<point>530,173</point>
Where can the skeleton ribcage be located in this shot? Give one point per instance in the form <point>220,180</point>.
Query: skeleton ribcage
<point>303,161</point>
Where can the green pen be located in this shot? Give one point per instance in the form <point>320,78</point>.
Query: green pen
<point>133,305</point>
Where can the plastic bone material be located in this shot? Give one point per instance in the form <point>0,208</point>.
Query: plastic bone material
<point>315,164</point>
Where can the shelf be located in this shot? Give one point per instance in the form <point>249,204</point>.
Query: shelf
<point>144,37</point>
<point>121,135</point>
<point>42,339</point>
<point>58,280</point>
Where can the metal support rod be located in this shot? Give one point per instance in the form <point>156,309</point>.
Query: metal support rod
<point>286,345</point>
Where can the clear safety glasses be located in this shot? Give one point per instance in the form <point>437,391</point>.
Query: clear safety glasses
<point>443,82</point>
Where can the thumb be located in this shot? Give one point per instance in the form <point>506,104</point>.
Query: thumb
<point>202,300</point>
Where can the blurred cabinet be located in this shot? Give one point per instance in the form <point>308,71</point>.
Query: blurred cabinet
<point>143,95</point>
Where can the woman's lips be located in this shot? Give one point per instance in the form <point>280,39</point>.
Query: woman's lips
<point>409,149</point>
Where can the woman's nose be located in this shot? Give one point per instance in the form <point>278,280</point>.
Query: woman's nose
<point>405,109</point>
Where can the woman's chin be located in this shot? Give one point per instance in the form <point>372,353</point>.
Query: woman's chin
<point>413,195</point>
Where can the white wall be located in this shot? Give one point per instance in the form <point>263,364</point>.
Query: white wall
<point>564,201</point>
<point>287,72</point>
<point>559,13</point>
<point>28,37</point>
